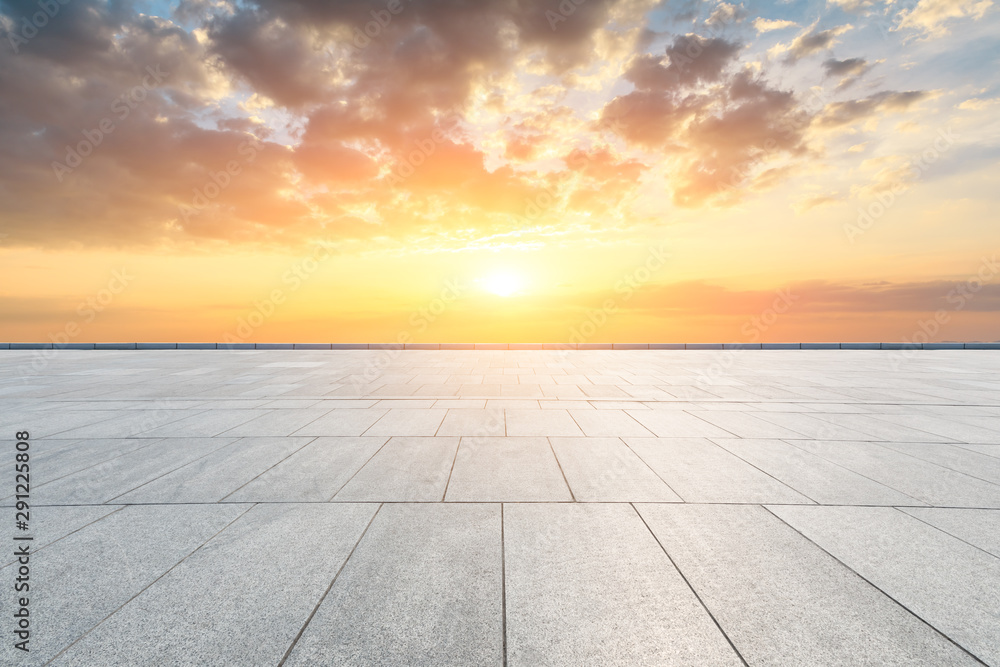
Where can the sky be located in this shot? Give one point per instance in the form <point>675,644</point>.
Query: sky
<point>583,171</point>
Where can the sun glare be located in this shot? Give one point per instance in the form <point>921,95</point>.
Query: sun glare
<point>502,284</point>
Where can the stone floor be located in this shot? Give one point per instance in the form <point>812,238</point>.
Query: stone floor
<point>517,507</point>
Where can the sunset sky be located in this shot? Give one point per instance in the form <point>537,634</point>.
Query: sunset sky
<point>502,170</point>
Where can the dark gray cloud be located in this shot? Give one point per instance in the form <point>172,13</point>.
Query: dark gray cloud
<point>849,71</point>
<point>812,41</point>
<point>839,114</point>
<point>721,133</point>
<point>689,60</point>
<point>849,67</point>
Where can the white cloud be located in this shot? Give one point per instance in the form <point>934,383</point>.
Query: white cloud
<point>978,104</point>
<point>929,16</point>
<point>767,25</point>
<point>854,6</point>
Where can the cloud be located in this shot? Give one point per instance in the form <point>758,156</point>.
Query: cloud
<point>332,117</point>
<point>664,98</point>
<point>978,104</point>
<point>849,70</point>
<point>930,16</point>
<point>762,25</point>
<point>649,119</point>
<point>754,125</point>
<point>479,102</point>
<point>333,164</point>
<point>856,6</point>
<point>894,174</point>
<point>690,59</point>
<point>849,67</point>
<point>719,128</point>
<point>810,42</point>
<point>806,204</point>
<point>607,180</point>
<point>839,114</point>
<point>603,166</point>
<point>99,141</point>
<point>814,297</point>
<point>275,59</point>
<point>726,14</point>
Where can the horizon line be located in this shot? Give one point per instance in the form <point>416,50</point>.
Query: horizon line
<point>152,346</point>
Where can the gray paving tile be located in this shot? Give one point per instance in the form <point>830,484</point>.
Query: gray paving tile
<point>343,422</point>
<point>461,403</point>
<point>412,404</point>
<point>51,524</point>
<point>516,404</point>
<point>406,469</point>
<point>990,422</point>
<point>408,421</point>
<point>393,390</point>
<point>609,423</point>
<point>156,627</point>
<point>927,482</point>
<point>744,425</point>
<point>54,459</point>
<point>586,584</point>
<point>541,422</point>
<point>988,450</point>
<point>781,600</point>
<point>699,471</point>
<point>312,474</point>
<point>687,392</point>
<point>291,403</point>
<point>677,424</point>
<point>495,469</point>
<point>819,409</point>
<point>789,407</point>
<point>812,476</point>
<point>479,390</point>
<point>619,405</point>
<point>424,587</point>
<point>903,557</point>
<point>522,391</point>
<point>953,457</point>
<point>879,429</point>
<point>356,403</point>
<point>278,422</point>
<point>473,422</point>
<point>948,428</point>
<point>47,423</point>
<point>73,586</point>
<point>602,391</point>
<point>565,404</point>
<point>213,477</point>
<point>811,427</point>
<point>606,470</point>
<point>204,425</point>
<point>853,427</point>
<point>130,423</point>
<point>110,479</point>
<point>980,528</point>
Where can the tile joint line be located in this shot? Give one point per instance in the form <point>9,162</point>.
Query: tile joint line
<point>690,586</point>
<point>879,589</point>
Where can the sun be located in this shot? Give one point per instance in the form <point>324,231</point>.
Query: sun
<point>502,284</point>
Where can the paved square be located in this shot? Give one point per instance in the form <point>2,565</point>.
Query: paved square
<point>523,508</point>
